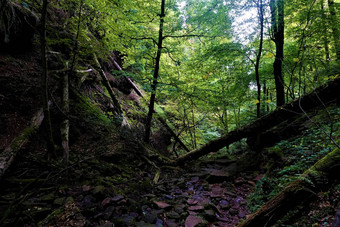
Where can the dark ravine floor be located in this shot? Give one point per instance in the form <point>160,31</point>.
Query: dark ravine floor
<point>100,193</point>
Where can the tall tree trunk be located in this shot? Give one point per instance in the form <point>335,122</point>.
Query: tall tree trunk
<point>277,26</point>
<point>258,58</point>
<point>335,27</point>
<point>65,124</point>
<point>300,190</point>
<point>155,75</point>
<point>44,79</point>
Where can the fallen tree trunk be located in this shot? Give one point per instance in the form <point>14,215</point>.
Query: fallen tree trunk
<point>162,120</point>
<point>301,190</point>
<point>8,155</point>
<point>108,87</point>
<point>323,94</point>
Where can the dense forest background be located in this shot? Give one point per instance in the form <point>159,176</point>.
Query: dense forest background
<point>143,89</point>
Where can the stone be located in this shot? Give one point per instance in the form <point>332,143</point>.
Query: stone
<point>192,221</point>
<point>173,215</point>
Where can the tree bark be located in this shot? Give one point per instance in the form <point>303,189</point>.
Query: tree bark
<point>335,27</point>
<point>8,155</point>
<point>324,29</point>
<point>324,94</point>
<point>155,75</point>
<point>258,58</point>
<point>134,87</point>
<point>47,121</point>
<point>277,26</point>
<point>301,190</point>
<point>65,126</point>
<point>107,85</point>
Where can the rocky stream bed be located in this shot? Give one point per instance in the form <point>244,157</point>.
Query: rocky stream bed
<point>93,193</point>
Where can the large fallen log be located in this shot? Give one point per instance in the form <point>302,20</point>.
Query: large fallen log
<point>321,95</point>
<point>8,155</point>
<point>301,190</point>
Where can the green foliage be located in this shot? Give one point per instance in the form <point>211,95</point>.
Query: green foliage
<point>299,154</point>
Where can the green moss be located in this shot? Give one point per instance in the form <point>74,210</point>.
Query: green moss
<point>26,133</point>
<point>93,113</point>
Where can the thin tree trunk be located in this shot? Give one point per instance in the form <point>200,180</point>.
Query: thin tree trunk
<point>65,125</point>
<point>44,79</point>
<point>324,29</point>
<point>258,58</point>
<point>335,27</point>
<point>277,20</point>
<point>326,93</point>
<point>155,75</point>
<point>301,190</point>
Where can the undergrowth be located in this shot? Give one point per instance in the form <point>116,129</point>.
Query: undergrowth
<point>296,156</point>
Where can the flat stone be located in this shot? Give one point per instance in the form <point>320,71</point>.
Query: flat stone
<point>173,215</point>
<point>161,204</point>
<point>196,208</point>
<point>193,221</point>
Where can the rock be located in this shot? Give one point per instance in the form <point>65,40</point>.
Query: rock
<point>223,219</point>
<point>239,181</point>
<point>170,197</point>
<point>162,205</point>
<point>86,188</point>
<point>192,221</point>
<point>173,215</point>
<point>224,204</point>
<point>209,215</point>
<point>192,201</point>
<point>196,208</point>
<point>252,183</point>
<point>151,217</point>
<point>109,224</point>
<point>233,212</point>
<point>241,215</point>
<point>117,198</point>
<point>128,220</point>
<point>170,223</point>
<point>106,201</point>
<point>108,212</point>
<point>179,208</point>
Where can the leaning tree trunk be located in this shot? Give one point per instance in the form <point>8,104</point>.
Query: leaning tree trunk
<point>162,120</point>
<point>8,155</point>
<point>319,96</point>
<point>300,190</point>
<point>107,85</point>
